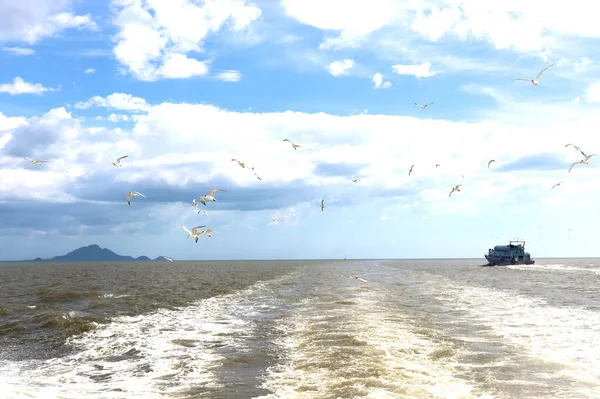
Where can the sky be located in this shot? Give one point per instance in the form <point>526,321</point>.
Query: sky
<point>184,86</point>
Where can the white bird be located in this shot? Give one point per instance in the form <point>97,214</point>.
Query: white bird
<point>255,174</point>
<point>354,179</point>
<point>455,188</point>
<point>293,144</point>
<point>31,161</point>
<point>243,165</point>
<point>167,258</point>
<point>194,203</point>
<point>206,233</point>
<point>322,205</point>
<point>210,196</point>
<point>491,160</point>
<point>535,81</point>
<point>583,161</point>
<point>203,211</point>
<point>133,194</point>
<point>274,220</point>
<point>556,185</point>
<point>576,148</point>
<point>118,163</point>
<point>423,106</point>
<point>194,233</point>
<point>358,278</point>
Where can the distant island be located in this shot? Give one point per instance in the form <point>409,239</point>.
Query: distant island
<point>93,253</point>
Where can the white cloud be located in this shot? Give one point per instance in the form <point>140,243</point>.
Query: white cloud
<point>118,118</point>
<point>19,86</point>
<point>378,82</point>
<point>417,70</point>
<point>154,38</point>
<point>230,75</point>
<point>90,70</point>
<point>18,50</point>
<point>119,101</point>
<point>593,93</point>
<point>513,25</point>
<point>168,135</point>
<point>32,20</point>
<point>340,68</point>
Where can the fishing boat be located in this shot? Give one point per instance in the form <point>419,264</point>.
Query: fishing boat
<point>511,254</point>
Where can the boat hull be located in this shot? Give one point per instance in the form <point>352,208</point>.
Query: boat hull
<point>492,261</point>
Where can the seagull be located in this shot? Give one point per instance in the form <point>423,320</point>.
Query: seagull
<point>194,233</point>
<point>167,258</point>
<point>455,188</point>
<point>210,196</point>
<point>577,148</point>
<point>583,161</point>
<point>194,203</point>
<point>31,161</point>
<point>293,144</point>
<point>118,163</point>
<point>354,179</point>
<point>322,205</point>
<point>437,165</point>
<point>206,233</point>
<point>203,211</point>
<point>491,160</point>
<point>255,174</point>
<point>358,278</point>
<point>275,220</point>
<point>423,106</point>
<point>133,194</point>
<point>535,81</point>
<point>243,165</point>
<point>411,168</point>
<point>556,185</point>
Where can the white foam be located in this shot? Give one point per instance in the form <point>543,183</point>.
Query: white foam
<point>567,336</point>
<point>147,356</point>
<point>362,348</point>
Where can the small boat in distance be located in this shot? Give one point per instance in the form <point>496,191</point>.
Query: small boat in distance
<point>511,254</point>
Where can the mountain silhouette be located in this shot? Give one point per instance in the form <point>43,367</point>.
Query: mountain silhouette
<point>94,253</point>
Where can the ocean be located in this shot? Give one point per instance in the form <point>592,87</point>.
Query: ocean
<point>300,329</point>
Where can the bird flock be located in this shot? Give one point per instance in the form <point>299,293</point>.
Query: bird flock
<point>196,234</point>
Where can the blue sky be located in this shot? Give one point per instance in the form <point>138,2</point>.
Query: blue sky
<point>181,87</point>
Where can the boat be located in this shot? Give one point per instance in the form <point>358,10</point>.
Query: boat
<point>511,254</point>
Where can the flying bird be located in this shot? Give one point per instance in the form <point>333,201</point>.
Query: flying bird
<point>194,233</point>
<point>455,188</point>
<point>31,161</point>
<point>576,148</point>
<point>411,168</point>
<point>358,278</point>
<point>275,220</point>
<point>194,203</point>
<point>253,171</point>
<point>437,165</point>
<point>583,161</point>
<point>203,211</point>
<point>210,196</point>
<point>423,106</point>
<point>556,185</point>
<point>133,194</point>
<point>293,144</point>
<point>243,165</point>
<point>535,81</point>
<point>322,205</point>
<point>118,163</point>
<point>491,160</point>
<point>169,259</point>
<point>354,179</point>
<point>206,233</point>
